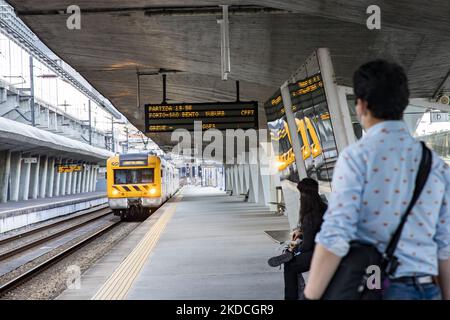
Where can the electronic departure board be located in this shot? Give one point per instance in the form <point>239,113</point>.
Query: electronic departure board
<point>217,115</point>
<point>305,93</point>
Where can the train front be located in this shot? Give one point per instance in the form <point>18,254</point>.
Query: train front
<point>134,184</point>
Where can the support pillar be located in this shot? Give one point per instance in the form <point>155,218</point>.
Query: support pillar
<point>241,179</point>
<point>74,182</point>
<point>94,179</point>
<point>25,179</point>
<point>69,183</point>
<point>79,180</point>
<point>50,177</point>
<point>84,177</point>
<point>88,178</point>
<point>16,161</point>
<point>34,179</point>
<point>57,181</point>
<point>246,177</point>
<point>43,176</point>
<point>63,183</point>
<point>5,171</point>
<point>236,184</point>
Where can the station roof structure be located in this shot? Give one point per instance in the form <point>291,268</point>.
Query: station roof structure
<point>269,39</point>
<point>16,136</point>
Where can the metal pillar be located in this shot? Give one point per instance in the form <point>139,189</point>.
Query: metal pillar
<point>90,122</point>
<point>5,171</point>
<point>43,168</point>
<point>113,146</point>
<point>33,116</point>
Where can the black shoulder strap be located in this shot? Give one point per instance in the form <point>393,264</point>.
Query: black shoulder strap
<point>421,179</point>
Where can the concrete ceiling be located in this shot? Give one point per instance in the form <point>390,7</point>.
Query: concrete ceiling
<point>117,38</point>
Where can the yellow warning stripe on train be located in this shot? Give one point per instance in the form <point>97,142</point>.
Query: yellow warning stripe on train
<point>120,282</point>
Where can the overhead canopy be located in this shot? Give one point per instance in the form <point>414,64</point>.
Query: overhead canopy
<point>269,39</point>
<point>16,136</point>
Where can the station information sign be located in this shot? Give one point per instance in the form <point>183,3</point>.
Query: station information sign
<point>305,93</point>
<point>69,168</point>
<point>218,115</point>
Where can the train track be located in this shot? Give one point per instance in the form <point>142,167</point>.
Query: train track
<point>28,233</point>
<point>43,265</point>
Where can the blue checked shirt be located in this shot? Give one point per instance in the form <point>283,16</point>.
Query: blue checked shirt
<point>373,183</point>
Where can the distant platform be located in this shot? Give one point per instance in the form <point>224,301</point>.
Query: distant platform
<point>18,214</point>
<point>201,245</point>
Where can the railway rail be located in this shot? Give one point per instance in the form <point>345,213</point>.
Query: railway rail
<point>93,216</point>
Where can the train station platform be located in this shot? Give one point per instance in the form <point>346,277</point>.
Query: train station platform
<point>17,214</point>
<point>202,244</point>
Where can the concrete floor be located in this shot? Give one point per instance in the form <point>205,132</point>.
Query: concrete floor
<point>214,247</point>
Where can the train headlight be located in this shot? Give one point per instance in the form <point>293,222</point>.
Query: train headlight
<point>153,191</point>
<point>115,192</point>
<point>279,164</point>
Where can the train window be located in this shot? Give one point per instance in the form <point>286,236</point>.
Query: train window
<point>128,176</point>
<point>147,175</point>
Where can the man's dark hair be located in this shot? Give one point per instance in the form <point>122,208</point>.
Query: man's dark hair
<point>384,86</point>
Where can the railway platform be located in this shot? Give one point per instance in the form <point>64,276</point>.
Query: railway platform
<point>202,244</point>
<point>14,215</point>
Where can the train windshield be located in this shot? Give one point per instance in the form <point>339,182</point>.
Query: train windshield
<point>129,176</point>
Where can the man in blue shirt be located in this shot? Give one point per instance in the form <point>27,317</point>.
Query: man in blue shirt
<point>373,184</point>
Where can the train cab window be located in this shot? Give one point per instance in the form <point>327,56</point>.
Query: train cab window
<point>148,175</point>
<point>128,176</point>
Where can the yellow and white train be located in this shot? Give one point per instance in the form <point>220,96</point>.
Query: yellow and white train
<point>139,183</point>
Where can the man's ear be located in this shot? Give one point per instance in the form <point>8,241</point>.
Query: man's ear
<point>362,106</point>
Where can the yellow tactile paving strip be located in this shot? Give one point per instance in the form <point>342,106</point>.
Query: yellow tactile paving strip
<point>120,282</point>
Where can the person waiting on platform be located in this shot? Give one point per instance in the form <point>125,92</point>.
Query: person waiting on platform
<point>298,254</point>
<point>374,181</point>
